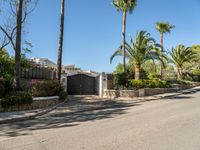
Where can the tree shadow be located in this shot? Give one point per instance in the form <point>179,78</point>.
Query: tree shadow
<point>61,118</point>
<point>180,97</point>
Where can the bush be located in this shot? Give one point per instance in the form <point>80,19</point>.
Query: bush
<point>138,84</point>
<point>62,95</point>
<point>196,75</point>
<point>16,99</point>
<point>8,83</point>
<point>45,88</point>
<point>120,79</point>
<point>2,87</point>
<point>153,75</point>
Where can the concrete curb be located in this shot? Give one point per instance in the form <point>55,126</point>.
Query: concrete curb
<point>37,114</point>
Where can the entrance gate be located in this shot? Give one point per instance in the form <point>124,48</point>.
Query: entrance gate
<point>81,84</point>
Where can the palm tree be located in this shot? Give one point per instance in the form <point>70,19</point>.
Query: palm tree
<point>124,6</point>
<point>162,28</point>
<point>59,63</point>
<point>17,70</point>
<point>143,49</point>
<point>181,55</point>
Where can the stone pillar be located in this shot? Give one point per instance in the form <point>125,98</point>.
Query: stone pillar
<point>102,84</point>
<point>64,81</point>
<point>141,92</point>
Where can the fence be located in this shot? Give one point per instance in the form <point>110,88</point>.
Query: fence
<point>39,72</point>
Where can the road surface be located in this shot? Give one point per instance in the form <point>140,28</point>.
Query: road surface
<point>168,124</point>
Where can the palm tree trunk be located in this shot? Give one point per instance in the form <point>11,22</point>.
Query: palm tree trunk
<point>124,39</point>
<point>180,73</point>
<point>60,47</point>
<point>17,70</point>
<point>137,71</point>
<point>161,65</point>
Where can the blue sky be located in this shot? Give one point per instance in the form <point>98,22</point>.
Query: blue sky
<point>93,28</point>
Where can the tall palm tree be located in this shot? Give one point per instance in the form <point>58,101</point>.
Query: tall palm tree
<point>60,48</point>
<point>124,6</point>
<point>181,55</point>
<point>17,70</point>
<point>141,50</point>
<point>162,28</point>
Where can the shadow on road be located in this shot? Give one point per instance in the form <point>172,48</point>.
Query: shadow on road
<point>180,97</point>
<point>62,118</point>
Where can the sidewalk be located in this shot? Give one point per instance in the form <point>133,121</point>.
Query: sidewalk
<point>85,103</point>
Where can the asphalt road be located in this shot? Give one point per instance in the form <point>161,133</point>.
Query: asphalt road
<point>168,124</point>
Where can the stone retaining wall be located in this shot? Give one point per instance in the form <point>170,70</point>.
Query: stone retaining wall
<point>121,93</point>
<point>129,93</point>
<point>155,91</point>
<point>38,103</point>
<point>144,92</point>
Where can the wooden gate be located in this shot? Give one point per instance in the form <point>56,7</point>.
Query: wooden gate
<point>81,84</point>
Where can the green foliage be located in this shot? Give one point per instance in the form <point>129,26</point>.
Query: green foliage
<point>138,84</point>
<point>153,75</point>
<point>45,88</point>
<point>181,55</point>
<point>194,75</point>
<point>7,68</point>
<point>163,27</point>
<point>125,5</point>
<point>16,99</point>
<point>62,95</point>
<point>194,64</point>
<point>141,50</point>
<point>6,63</point>
<point>120,79</point>
<point>2,87</point>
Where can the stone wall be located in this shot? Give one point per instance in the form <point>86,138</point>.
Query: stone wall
<point>144,92</point>
<point>38,103</point>
<point>121,93</point>
<point>129,93</point>
<point>155,91</point>
<point>111,93</point>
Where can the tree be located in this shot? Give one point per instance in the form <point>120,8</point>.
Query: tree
<point>162,28</point>
<point>124,6</point>
<point>143,49</point>
<point>196,64</point>
<point>17,70</point>
<point>13,33</point>
<point>60,48</point>
<point>181,55</point>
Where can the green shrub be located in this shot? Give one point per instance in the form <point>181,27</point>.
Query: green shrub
<point>196,75</point>
<point>8,83</point>
<point>153,75</point>
<point>138,84</point>
<point>62,95</point>
<point>120,79</point>
<point>46,88</point>
<point>16,99</point>
<point>2,87</point>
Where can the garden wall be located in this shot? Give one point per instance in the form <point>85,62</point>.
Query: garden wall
<point>38,103</point>
<point>155,91</point>
<point>145,91</point>
<point>121,93</point>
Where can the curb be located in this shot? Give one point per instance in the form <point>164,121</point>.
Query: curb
<point>39,113</point>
